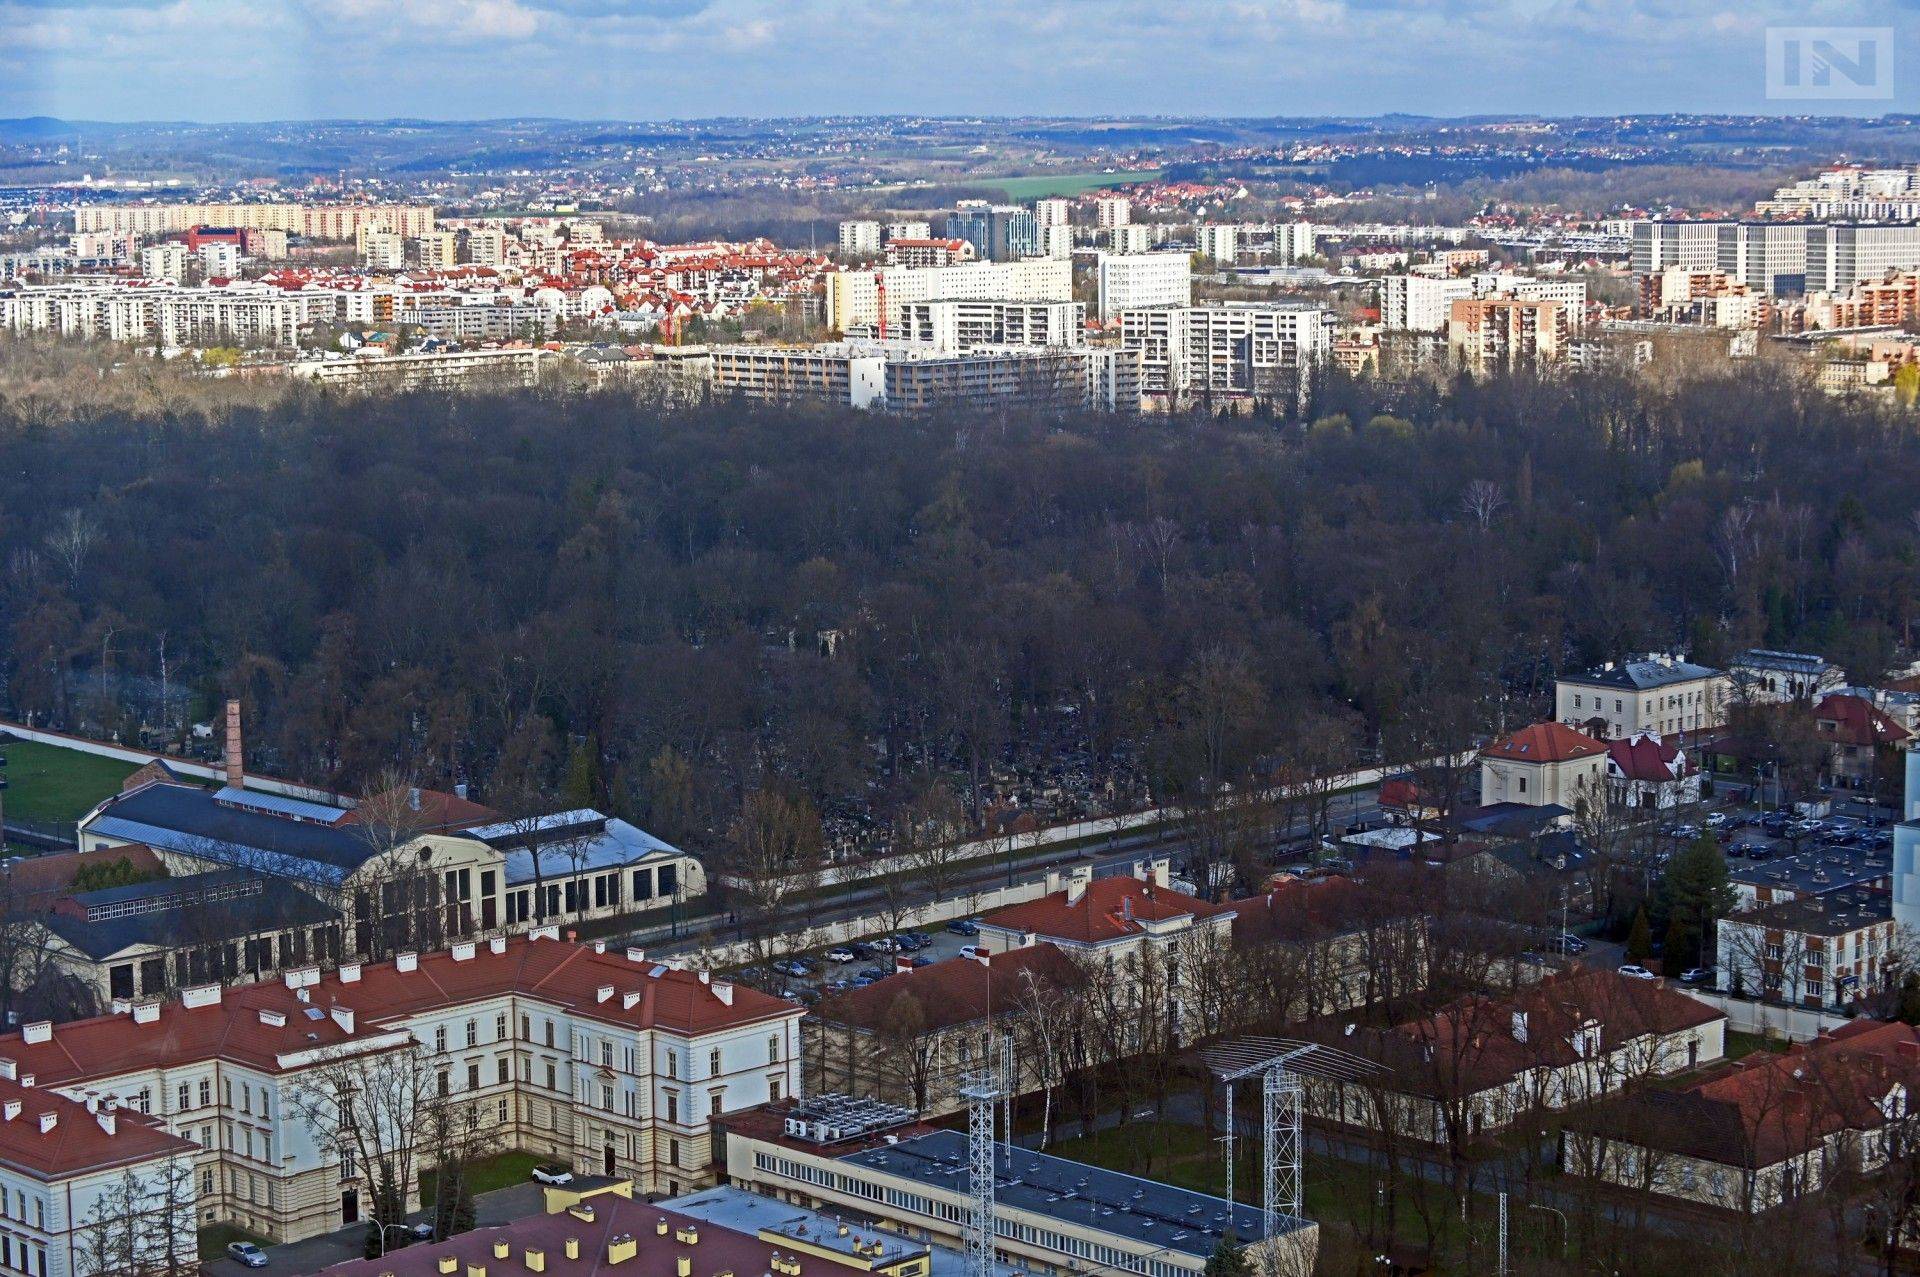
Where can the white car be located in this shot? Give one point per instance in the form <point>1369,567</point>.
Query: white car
<point>839,957</point>
<point>1715,819</point>
<point>552,1173</point>
<point>1635,971</point>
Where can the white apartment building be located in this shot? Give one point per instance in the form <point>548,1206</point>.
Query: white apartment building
<point>1778,257</point>
<point>1419,303</point>
<point>166,315</point>
<point>1219,241</point>
<point>1293,241</point>
<point>1130,281</point>
<point>1056,241</point>
<point>1230,348</point>
<point>437,250</point>
<point>382,250</point>
<point>220,259</point>
<point>853,296</point>
<point>486,246</point>
<point>613,1064</point>
<point>315,221</point>
<point>1112,210</point>
<point>963,325</point>
<point>1053,212</point>
<point>859,238</point>
<point>1838,256</point>
<point>164,261</point>
<point>909,230</point>
<point>1129,237</point>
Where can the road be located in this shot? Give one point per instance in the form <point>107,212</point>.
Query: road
<point>1115,856</point>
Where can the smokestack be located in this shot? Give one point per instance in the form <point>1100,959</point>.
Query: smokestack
<point>236,769</point>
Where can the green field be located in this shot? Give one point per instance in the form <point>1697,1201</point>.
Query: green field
<point>502,1170</point>
<point>1068,184</point>
<point>51,785</point>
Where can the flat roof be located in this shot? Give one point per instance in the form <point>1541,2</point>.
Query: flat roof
<point>1141,1210</point>
<point>736,1208</point>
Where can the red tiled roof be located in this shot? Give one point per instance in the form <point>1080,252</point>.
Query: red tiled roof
<point>1644,756</point>
<point>1295,910</point>
<point>557,972</point>
<point>956,991</point>
<point>1109,909</point>
<point>51,875</point>
<point>1857,721</point>
<point>1544,743</point>
<point>432,809</point>
<point>77,1142</point>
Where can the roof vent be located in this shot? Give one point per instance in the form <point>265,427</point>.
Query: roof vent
<point>48,1121</point>
<point>406,962</point>
<point>10,1110</point>
<point>350,974</point>
<point>723,989</point>
<point>628,1001</point>
<point>146,1012</point>
<point>499,945</point>
<point>278,1019</point>
<point>37,1032</point>
<point>205,995</point>
<point>636,955</point>
<point>108,1121</point>
<point>463,952</point>
<point>604,992</point>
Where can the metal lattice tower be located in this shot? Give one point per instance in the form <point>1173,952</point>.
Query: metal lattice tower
<point>980,1090</point>
<point>1280,1171</point>
<point>1279,1063</point>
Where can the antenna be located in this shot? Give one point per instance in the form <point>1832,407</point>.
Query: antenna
<point>980,1089</point>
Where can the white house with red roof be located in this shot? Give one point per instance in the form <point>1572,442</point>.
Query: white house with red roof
<point>1859,732</point>
<point>1136,925</point>
<point>1543,765</point>
<point>612,1063</point>
<point>1648,770</point>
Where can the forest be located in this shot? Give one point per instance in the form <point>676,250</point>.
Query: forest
<point>680,613</point>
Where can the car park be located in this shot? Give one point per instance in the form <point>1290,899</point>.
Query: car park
<point>1635,971</point>
<point>247,1253</point>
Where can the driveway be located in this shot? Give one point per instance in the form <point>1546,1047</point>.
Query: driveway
<point>502,1206</point>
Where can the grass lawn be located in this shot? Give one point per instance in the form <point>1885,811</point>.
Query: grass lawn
<point>502,1170</point>
<point>214,1238</point>
<point>58,786</point>
<point>1336,1190</point>
<point>1041,187</point>
<point>1739,1044</point>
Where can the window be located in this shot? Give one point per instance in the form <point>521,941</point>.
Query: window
<point>550,1081</point>
<point>673,1109</point>
<point>500,1110</point>
<point>246,1098</point>
<point>346,1162</point>
<point>440,1040</point>
<point>206,1092</point>
<point>473,1033</point>
<point>526,1029</point>
<point>445,1086</point>
<point>673,1152</point>
<point>184,1098</point>
<point>673,1064</point>
<point>506,1069</point>
<point>606,1097</point>
<point>773,1049</point>
<point>549,1027</point>
<point>775,1086</point>
<point>1523,784</point>
<point>500,1027</point>
<point>606,1053</point>
<point>716,1103</point>
<point>713,1061</point>
<point>473,1075</point>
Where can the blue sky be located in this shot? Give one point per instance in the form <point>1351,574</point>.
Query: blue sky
<point>649,59</point>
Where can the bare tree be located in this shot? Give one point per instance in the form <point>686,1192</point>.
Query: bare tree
<point>1483,501</point>
<point>369,1107</point>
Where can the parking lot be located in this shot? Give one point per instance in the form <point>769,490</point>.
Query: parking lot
<point>862,962</point>
<point>1749,834</point>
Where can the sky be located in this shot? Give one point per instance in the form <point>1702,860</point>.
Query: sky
<point>660,59</point>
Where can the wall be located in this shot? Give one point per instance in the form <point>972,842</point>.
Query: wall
<point>1797,1024</point>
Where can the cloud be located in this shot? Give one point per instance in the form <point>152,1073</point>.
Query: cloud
<point>638,59</point>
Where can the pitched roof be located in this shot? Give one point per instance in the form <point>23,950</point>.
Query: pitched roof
<point>1544,743</point>
<point>1644,756</point>
<point>50,875</point>
<point>1769,1107</point>
<point>956,991</point>
<point>1641,675</point>
<point>1296,910</point>
<point>1857,721</point>
<point>76,1141</point>
<point>426,809</point>
<point>378,997</point>
<point>1108,909</point>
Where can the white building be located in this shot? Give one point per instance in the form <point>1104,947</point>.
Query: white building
<point>612,1063</point>
<point>220,259</point>
<point>1230,348</point>
<point>1293,241</point>
<point>1112,210</point>
<point>1658,693</point>
<point>963,325</point>
<point>853,296</point>
<point>1219,241</point>
<point>1130,281</point>
<point>909,230</point>
<point>1129,237</point>
<point>859,239</point>
<point>382,250</point>
<point>1053,212</point>
<point>1419,303</point>
<point>164,261</point>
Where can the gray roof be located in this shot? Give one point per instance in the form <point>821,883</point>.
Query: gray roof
<point>1817,871</point>
<point>276,906</point>
<point>1761,658</point>
<point>1832,915</point>
<point>191,821</point>
<point>1641,675</point>
<point>580,841</point>
<point>1142,1210</point>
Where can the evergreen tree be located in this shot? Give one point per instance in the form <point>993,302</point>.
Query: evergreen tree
<point>1228,1260</point>
<point>1640,938</point>
<point>1693,895</point>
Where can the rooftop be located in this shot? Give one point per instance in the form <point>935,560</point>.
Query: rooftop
<point>1642,674</point>
<point>1818,870</point>
<point>1101,910</point>
<point>1544,743</point>
<point>958,990</point>
<point>1146,1211</point>
<point>228,904</point>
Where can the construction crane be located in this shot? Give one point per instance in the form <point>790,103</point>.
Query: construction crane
<point>880,287</point>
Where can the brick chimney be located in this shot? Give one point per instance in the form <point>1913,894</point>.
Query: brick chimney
<point>236,768</point>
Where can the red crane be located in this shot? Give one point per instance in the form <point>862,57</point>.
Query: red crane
<point>880,287</point>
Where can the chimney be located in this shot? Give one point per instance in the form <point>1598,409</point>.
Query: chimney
<point>497,944</point>
<point>10,1110</point>
<point>107,1120</point>
<point>413,799</point>
<point>37,1032</point>
<point>146,1012</point>
<point>342,1016</point>
<point>236,767</point>
<point>48,1121</point>
<point>902,962</point>
<point>723,989</point>
<point>406,962</point>
<point>1077,879</point>
<point>350,974</point>
<point>460,789</point>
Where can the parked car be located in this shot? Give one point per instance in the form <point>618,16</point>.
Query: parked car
<point>839,957</point>
<point>1635,971</point>
<point>861,949</point>
<point>791,967</point>
<point>964,927</point>
<point>918,939</point>
<point>1715,819</point>
<point>247,1253</point>
<point>552,1173</point>
<point>870,974</point>
<point>861,981</point>
<point>972,951</point>
<point>1564,943</point>
<point>920,960</point>
<point>884,944</point>
<point>1697,975</point>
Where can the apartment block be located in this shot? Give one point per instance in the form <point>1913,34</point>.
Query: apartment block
<point>1232,349</point>
<point>1490,334</point>
<point>1130,281</point>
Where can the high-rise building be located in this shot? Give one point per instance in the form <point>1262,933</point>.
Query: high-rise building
<point>1488,334</point>
<point>1840,255</point>
<point>220,259</point>
<point>859,238</point>
<point>1231,348</point>
<point>1129,238</point>
<point>484,246</point>
<point>438,250</point>
<point>1001,233</point>
<point>1418,303</point>
<point>1293,241</point>
<point>1053,212</point>
<point>382,250</point>
<point>853,296</point>
<point>1219,241</point>
<point>908,230</point>
<point>1131,281</point>
<point>164,261</point>
<point>1112,210</point>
